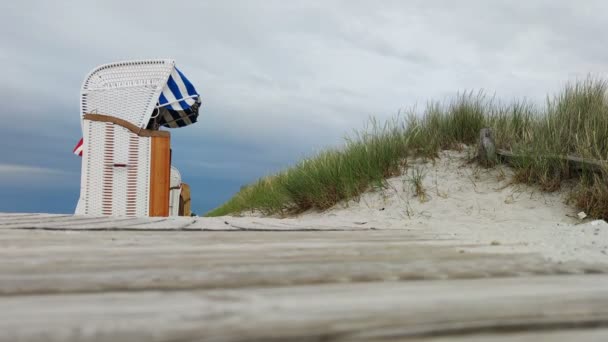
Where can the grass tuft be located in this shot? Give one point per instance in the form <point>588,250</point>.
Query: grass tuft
<point>415,179</point>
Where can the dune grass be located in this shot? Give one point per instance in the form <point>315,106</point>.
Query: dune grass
<point>573,122</point>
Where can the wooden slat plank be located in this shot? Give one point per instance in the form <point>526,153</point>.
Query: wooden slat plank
<point>172,222</point>
<point>112,223</point>
<point>270,224</point>
<point>68,222</point>
<point>336,312</point>
<point>558,335</point>
<point>54,262</point>
<point>9,217</point>
<point>65,222</point>
<point>3,215</point>
<point>33,220</point>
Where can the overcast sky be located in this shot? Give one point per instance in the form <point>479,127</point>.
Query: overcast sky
<point>279,79</point>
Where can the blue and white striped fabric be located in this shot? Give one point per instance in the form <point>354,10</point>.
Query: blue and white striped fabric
<point>179,102</point>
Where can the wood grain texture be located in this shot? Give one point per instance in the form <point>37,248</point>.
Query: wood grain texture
<point>160,173</point>
<point>185,201</point>
<point>47,262</point>
<point>71,278</point>
<point>576,164</point>
<point>486,149</point>
<point>329,312</point>
<point>126,124</point>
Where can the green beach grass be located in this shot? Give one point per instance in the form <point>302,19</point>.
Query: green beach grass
<point>573,122</point>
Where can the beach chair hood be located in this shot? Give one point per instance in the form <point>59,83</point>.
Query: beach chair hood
<point>178,103</point>
<point>145,93</point>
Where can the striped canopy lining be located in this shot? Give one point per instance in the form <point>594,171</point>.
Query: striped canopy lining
<point>178,103</point>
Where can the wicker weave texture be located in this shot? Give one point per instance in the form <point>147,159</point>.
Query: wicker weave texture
<point>126,90</point>
<point>176,177</point>
<point>115,171</point>
<point>143,176</point>
<point>176,182</point>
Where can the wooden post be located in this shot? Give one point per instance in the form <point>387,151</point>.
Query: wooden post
<point>487,149</point>
<point>160,173</point>
<point>184,201</point>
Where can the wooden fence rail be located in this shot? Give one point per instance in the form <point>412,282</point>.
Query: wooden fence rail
<point>488,154</point>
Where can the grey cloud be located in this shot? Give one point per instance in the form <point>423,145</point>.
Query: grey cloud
<point>281,79</point>
<point>11,174</point>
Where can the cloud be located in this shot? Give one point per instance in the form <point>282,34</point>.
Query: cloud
<point>26,175</point>
<point>282,79</point>
<point>8,170</point>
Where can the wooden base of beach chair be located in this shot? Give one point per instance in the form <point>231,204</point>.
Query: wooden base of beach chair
<point>160,172</point>
<point>184,201</point>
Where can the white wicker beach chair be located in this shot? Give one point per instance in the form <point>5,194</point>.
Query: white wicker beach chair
<point>126,159</point>
<point>176,189</point>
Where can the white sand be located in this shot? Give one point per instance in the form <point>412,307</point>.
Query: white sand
<point>476,209</point>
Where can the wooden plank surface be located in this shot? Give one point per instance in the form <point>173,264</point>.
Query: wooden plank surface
<point>65,278</point>
<point>69,222</point>
<point>331,312</point>
<point>49,262</point>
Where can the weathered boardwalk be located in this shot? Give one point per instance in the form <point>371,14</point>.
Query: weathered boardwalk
<point>65,278</point>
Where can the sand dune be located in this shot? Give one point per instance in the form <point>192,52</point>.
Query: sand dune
<point>477,207</point>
